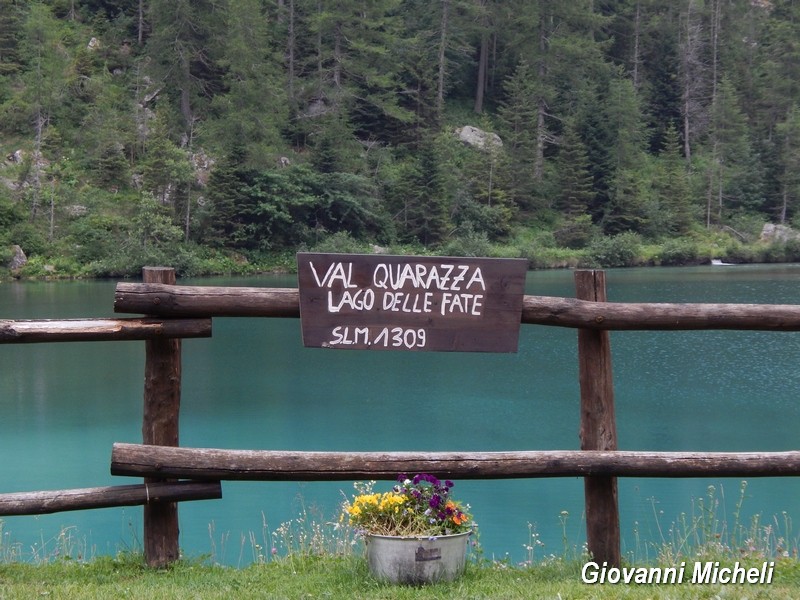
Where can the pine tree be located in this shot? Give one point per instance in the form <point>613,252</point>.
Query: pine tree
<point>185,48</point>
<point>734,174</point>
<point>625,211</point>
<point>670,211</point>
<point>166,169</point>
<point>789,141</point>
<point>251,109</point>
<point>575,193</point>
<point>518,113</point>
<point>46,85</point>
<point>417,198</point>
<point>10,26</point>
<point>357,50</point>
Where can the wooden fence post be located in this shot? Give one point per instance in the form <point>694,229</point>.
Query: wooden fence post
<point>598,425</point>
<point>162,399</point>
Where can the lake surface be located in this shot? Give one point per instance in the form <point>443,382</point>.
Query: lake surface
<point>253,386</point>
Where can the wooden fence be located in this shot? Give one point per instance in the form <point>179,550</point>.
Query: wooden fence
<point>175,474</point>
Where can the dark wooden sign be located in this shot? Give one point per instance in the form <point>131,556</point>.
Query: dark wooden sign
<point>381,302</point>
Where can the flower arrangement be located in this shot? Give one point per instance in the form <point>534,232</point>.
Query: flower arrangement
<point>417,506</point>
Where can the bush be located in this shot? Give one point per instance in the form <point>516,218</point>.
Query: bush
<point>793,250</point>
<point>96,236</point>
<point>778,252</point>
<point>471,243</point>
<point>46,267</point>
<point>543,257</point>
<point>623,250</point>
<point>679,252</point>
<point>28,237</point>
<point>576,233</point>
<point>341,242</point>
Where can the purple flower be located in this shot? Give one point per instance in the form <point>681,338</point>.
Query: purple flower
<point>426,477</point>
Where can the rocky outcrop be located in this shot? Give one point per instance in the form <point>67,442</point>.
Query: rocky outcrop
<point>781,234</point>
<point>18,258</point>
<point>478,138</point>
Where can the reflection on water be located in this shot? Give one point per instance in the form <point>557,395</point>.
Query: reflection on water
<point>253,386</point>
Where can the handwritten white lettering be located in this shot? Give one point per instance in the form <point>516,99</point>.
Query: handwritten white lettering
<point>336,272</point>
<point>386,337</point>
<point>443,277</point>
<point>469,304</point>
<point>363,299</point>
<point>408,302</point>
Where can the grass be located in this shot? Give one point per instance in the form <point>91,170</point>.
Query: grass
<point>344,577</point>
<point>308,558</point>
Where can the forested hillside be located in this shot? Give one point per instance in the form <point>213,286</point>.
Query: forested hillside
<point>222,135</point>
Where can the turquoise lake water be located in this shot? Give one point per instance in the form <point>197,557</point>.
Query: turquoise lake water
<point>253,386</point>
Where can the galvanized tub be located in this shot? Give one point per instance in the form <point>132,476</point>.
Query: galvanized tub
<point>417,560</point>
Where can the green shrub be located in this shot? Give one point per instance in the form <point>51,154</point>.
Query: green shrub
<point>622,250</point>
<point>55,267</point>
<point>777,252</point>
<point>679,252</point>
<point>471,243</point>
<point>576,233</point>
<point>28,237</point>
<point>96,236</point>
<point>342,242</point>
<point>792,253</point>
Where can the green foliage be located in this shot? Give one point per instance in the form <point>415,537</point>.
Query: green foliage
<point>576,233</point>
<point>10,212</point>
<point>293,206</point>
<point>471,243</point>
<point>622,250</point>
<point>417,199</point>
<point>406,510</point>
<point>10,19</point>
<point>42,267</point>
<point>575,194</point>
<point>340,242</point>
<point>96,236</point>
<point>641,115</point>
<point>29,237</point>
<point>679,252</point>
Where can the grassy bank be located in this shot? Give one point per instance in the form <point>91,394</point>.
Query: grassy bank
<point>539,247</point>
<point>308,559</point>
<point>347,577</point>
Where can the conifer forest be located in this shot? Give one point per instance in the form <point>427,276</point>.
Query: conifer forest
<point>222,136</point>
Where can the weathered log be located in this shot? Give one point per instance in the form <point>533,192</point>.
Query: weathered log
<point>598,425</point>
<point>162,401</point>
<point>174,300</point>
<point>204,301</point>
<point>98,330</point>
<point>626,316</point>
<point>278,465</point>
<point>41,503</point>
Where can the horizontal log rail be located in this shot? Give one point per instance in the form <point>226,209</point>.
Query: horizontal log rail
<point>41,503</point>
<point>272,465</point>
<point>191,301</point>
<point>196,301</point>
<point>98,330</point>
